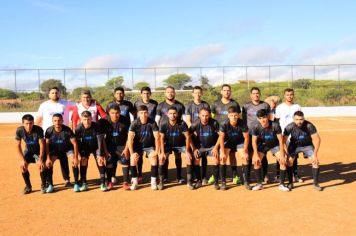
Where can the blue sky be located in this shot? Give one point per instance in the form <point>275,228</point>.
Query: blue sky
<point>57,34</point>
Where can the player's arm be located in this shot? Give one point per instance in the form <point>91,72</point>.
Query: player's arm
<point>101,111</point>
<point>161,140</point>
<point>188,142</point>
<point>281,148</point>
<point>255,157</point>
<point>246,141</point>
<point>157,119</point>
<point>221,141</point>
<point>156,135</point>
<point>23,164</point>
<point>130,139</point>
<point>48,159</point>
<point>316,142</point>
<point>188,120</point>
<point>215,150</point>
<point>75,147</point>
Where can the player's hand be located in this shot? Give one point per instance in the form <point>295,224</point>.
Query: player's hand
<point>315,160</point>
<point>75,162</point>
<point>290,161</point>
<point>282,160</point>
<point>189,155</point>
<point>49,163</point>
<point>135,156</point>
<point>23,165</point>
<point>256,159</point>
<point>215,153</point>
<point>244,155</point>
<point>41,165</point>
<point>196,153</point>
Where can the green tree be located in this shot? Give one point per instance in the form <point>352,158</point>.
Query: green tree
<point>178,81</point>
<point>75,94</point>
<point>114,82</point>
<point>141,84</point>
<point>204,81</point>
<point>50,83</point>
<point>302,83</point>
<point>7,94</point>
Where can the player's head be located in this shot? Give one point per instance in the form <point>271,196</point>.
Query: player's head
<point>226,91</point>
<point>85,97</point>
<point>233,115</point>
<point>143,113</point>
<point>85,118</point>
<point>146,93</point>
<point>262,116</point>
<point>299,118</point>
<point>119,93</point>
<point>28,121</point>
<point>204,115</point>
<point>57,120</point>
<point>197,93</point>
<point>170,93</point>
<point>54,94</point>
<point>172,113</point>
<point>114,113</point>
<point>289,94</point>
<point>255,94</point>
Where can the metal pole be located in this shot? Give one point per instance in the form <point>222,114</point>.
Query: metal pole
<point>39,80</point>
<point>314,72</point>
<point>132,78</point>
<point>108,74</point>
<point>291,70</point>
<point>86,82</point>
<point>338,75</point>
<point>155,71</point>
<point>64,77</point>
<point>223,75</point>
<point>15,81</point>
<point>248,82</point>
<point>269,78</point>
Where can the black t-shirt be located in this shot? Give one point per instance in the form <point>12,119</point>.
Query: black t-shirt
<point>205,136</point>
<point>144,137</point>
<point>267,136</point>
<point>193,109</point>
<point>174,136</point>
<point>115,133</point>
<point>162,110</point>
<point>126,108</point>
<point>300,137</point>
<point>221,110</point>
<point>151,106</point>
<point>59,142</point>
<point>234,134</point>
<point>31,139</point>
<point>249,111</point>
<point>88,138</point>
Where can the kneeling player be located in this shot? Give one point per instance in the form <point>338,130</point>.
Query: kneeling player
<point>60,144</point>
<point>90,141</point>
<point>305,139</point>
<point>267,136</point>
<point>234,139</point>
<point>32,136</point>
<point>174,137</point>
<point>143,138</point>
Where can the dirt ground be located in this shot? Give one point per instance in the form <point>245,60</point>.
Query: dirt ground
<point>180,211</point>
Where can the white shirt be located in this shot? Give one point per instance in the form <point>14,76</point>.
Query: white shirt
<point>48,108</point>
<point>92,108</point>
<point>285,113</point>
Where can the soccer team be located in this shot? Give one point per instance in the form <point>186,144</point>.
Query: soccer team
<point>127,133</point>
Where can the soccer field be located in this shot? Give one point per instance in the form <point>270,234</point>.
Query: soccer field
<point>179,211</point>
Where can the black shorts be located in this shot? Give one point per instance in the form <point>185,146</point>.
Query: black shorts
<point>31,157</point>
<point>175,149</point>
<point>86,153</point>
<point>117,156</point>
<point>61,154</point>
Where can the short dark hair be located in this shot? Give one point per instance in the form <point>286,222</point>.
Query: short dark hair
<point>226,85</point>
<point>299,113</point>
<point>288,90</point>
<point>205,109</point>
<point>146,88</point>
<point>232,109</point>
<point>255,88</point>
<point>173,108</point>
<point>28,117</point>
<point>119,89</point>
<point>171,87</point>
<point>142,108</point>
<point>261,113</point>
<point>55,88</point>
<point>85,92</point>
<point>115,107</point>
<point>197,88</point>
<point>86,114</point>
<point>58,115</point>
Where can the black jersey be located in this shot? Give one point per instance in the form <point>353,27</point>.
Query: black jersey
<point>31,139</point>
<point>267,137</point>
<point>126,108</point>
<point>162,110</point>
<point>151,106</point>
<point>193,109</point>
<point>89,138</point>
<point>220,109</point>
<point>234,134</point>
<point>174,136</point>
<point>115,133</point>
<point>249,111</point>
<point>300,136</point>
<point>144,137</point>
<point>60,141</point>
<point>205,136</point>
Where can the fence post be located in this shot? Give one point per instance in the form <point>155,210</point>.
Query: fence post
<point>85,77</point>
<point>291,71</point>
<point>39,80</point>
<point>155,71</point>
<point>223,75</point>
<point>248,82</point>
<point>269,78</point>
<point>132,77</point>
<point>15,81</point>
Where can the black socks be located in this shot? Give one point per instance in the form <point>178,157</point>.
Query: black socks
<point>26,177</point>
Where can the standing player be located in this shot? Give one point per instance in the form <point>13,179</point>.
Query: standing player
<point>284,114</point>
<point>234,141</point>
<point>161,117</point>
<point>87,104</point>
<point>60,144</point>
<point>90,141</point>
<point>32,136</point>
<point>174,137</point>
<point>152,111</point>
<point>143,138</point>
<point>219,110</point>
<point>193,107</point>
<point>249,111</point>
<point>205,143</point>
<point>267,136</point>
<point>47,109</point>
<point>305,139</point>
<point>115,141</point>
<point>127,113</point>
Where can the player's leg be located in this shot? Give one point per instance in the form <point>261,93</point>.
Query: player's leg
<point>152,156</point>
<point>264,163</point>
<point>161,161</point>
<point>245,162</point>
<point>228,154</point>
<point>309,152</point>
<point>258,171</point>
<point>233,163</point>
<point>216,167</point>
<point>189,159</point>
<point>178,162</point>
<point>43,172</point>
<point>204,168</point>
<point>133,169</point>
<point>139,170</point>
<point>25,173</point>
<point>65,171</point>
<point>124,159</point>
<point>49,174</point>
<point>83,164</point>
<point>296,175</point>
<point>75,170</point>
<point>283,169</point>
<point>111,161</point>
<point>102,170</point>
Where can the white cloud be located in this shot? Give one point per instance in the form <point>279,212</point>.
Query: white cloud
<point>105,61</point>
<point>49,6</point>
